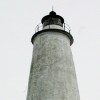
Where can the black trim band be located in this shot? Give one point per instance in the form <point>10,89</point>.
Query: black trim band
<point>54,30</point>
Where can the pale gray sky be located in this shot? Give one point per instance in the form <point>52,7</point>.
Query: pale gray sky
<point>18,19</point>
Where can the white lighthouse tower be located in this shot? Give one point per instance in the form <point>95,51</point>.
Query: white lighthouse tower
<point>52,74</point>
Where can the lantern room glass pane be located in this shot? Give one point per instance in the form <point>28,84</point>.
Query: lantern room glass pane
<point>55,21</point>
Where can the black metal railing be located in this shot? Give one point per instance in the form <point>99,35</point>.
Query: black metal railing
<point>39,27</point>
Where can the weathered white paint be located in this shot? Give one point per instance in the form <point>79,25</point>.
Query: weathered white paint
<point>52,75</point>
<point>53,27</point>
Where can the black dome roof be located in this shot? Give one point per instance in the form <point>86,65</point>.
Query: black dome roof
<point>53,15</point>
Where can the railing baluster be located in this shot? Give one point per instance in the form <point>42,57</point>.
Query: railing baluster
<point>66,27</point>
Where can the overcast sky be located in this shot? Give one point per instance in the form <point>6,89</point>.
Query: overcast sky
<point>18,19</point>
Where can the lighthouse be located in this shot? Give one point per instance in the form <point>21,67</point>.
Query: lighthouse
<point>52,73</point>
